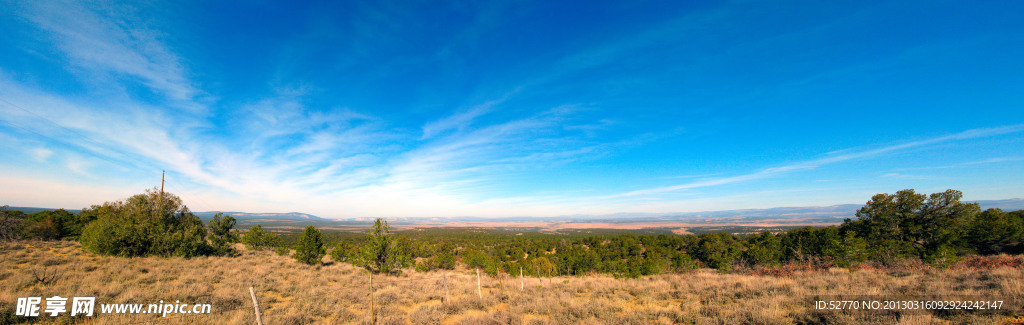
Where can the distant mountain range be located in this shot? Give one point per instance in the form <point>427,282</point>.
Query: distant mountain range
<point>834,211</point>
<point>28,210</point>
<point>279,216</point>
<point>1006,205</point>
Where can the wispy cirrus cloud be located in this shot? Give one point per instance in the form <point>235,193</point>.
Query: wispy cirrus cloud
<point>108,38</point>
<point>837,157</point>
<point>997,160</point>
<point>461,120</point>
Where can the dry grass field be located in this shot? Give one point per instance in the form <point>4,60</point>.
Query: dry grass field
<point>292,293</point>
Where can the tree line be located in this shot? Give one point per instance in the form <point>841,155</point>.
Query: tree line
<point>938,229</point>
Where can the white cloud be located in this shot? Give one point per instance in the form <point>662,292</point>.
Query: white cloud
<point>40,154</point>
<point>80,167</point>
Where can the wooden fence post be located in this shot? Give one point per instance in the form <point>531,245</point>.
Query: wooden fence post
<point>256,305</point>
<point>522,284</point>
<point>446,296</point>
<point>478,292</point>
<point>373,320</point>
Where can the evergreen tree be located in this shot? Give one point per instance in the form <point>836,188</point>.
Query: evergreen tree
<point>474,259</point>
<point>764,249</point>
<point>310,248</point>
<point>52,225</point>
<point>855,250</point>
<point>995,231</point>
<point>718,250</point>
<point>908,223</point>
<point>257,238</point>
<point>11,223</point>
<point>344,252</point>
<point>445,258</point>
<point>221,236</point>
<point>382,252</point>
<point>445,261</point>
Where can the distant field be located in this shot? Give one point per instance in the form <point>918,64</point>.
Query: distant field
<point>562,226</point>
<point>678,227</point>
<point>292,293</point>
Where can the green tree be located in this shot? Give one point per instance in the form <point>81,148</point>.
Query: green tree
<point>257,238</point>
<point>907,222</point>
<point>151,223</point>
<point>445,261</point>
<point>995,231</point>
<point>652,263</point>
<point>344,252</point>
<point>544,266</point>
<point>682,262</point>
<point>52,224</point>
<point>382,252</point>
<point>763,249</point>
<point>310,248</point>
<point>474,259</point>
<point>221,236</point>
<point>718,250</point>
<point>493,266</point>
<point>445,258</point>
<point>11,223</point>
<point>855,250</point>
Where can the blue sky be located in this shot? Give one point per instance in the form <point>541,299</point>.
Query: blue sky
<point>492,108</point>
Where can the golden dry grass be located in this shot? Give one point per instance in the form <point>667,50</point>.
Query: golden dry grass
<point>292,293</point>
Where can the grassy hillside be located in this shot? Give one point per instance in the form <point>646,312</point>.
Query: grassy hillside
<point>292,293</point>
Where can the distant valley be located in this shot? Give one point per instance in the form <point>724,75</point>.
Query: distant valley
<point>737,221</point>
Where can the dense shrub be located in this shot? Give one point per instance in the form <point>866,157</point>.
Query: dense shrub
<point>474,259</point>
<point>444,261</point>
<point>344,252</point>
<point>282,250</point>
<point>53,224</point>
<point>43,225</point>
<point>424,265</point>
<point>146,224</point>
<point>991,262</point>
